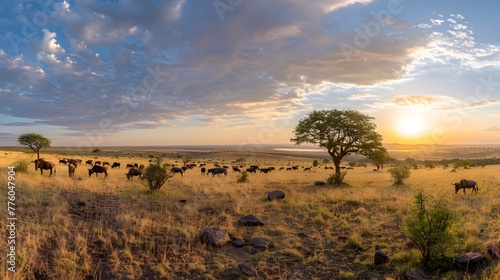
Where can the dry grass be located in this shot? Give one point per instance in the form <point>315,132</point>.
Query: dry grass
<point>111,228</point>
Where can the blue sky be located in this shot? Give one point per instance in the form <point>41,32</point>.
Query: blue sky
<point>133,72</point>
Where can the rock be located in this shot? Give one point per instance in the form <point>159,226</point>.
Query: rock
<point>417,274</point>
<point>261,243</point>
<point>215,237</point>
<point>320,183</point>
<point>251,220</point>
<point>493,251</point>
<point>470,261</point>
<point>380,257</point>
<point>276,195</point>
<point>238,243</point>
<point>247,270</point>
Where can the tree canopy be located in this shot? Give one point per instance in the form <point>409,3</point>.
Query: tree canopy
<point>35,141</point>
<point>341,132</point>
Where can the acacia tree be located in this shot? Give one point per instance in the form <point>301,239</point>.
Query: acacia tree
<point>35,141</point>
<point>379,155</point>
<point>340,132</point>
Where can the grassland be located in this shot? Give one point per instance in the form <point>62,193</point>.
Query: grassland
<point>111,228</point>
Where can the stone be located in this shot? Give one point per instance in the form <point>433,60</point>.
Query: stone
<point>417,274</point>
<point>251,220</point>
<point>380,257</point>
<point>276,195</point>
<point>470,261</point>
<point>261,243</point>
<point>247,270</point>
<point>320,183</point>
<point>215,237</point>
<point>493,251</point>
<point>238,243</point>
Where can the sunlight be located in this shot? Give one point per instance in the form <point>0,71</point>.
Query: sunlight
<point>411,126</point>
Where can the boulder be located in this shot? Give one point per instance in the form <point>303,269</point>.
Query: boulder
<point>380,257</point>
<point>251,220</point>
<point>247,270</point>
<point>493,251</point>
<point>470,261</point>
<point>276,195</point>
<point>215,237</point>
<point>238,243</point>
<point>260,244</point>
<point>417,274</point>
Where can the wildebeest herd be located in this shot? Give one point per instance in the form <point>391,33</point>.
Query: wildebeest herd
<point>135,169</point>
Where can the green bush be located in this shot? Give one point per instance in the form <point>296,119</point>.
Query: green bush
<point>21,166</point>
<point>400,172</point>
<point>336,178</point>
<point>243,178</point>
<point>155,175</point>
<point>430,228</point>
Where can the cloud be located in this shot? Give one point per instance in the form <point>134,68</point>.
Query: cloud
<point>49,43</point>
<point>435,102</point>
<point>361,96</point>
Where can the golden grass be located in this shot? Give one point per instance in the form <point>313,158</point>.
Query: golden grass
<point>111,228</point>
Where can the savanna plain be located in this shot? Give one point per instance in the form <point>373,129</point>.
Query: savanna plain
<point>112,228</point>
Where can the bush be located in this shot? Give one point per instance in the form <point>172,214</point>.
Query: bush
<point>336,178</point>
<point>243,178</point>
<point>430,228</point>
<point>155,175</point>
<point>400,172</point>
<point>21,165</point>
<point>97,150</point>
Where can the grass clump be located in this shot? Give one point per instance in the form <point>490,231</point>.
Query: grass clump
<point>21,165</point>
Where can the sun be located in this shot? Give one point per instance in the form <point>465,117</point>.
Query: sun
<point>411,126</point>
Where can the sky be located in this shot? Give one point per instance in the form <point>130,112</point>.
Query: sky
<point>95,73</point>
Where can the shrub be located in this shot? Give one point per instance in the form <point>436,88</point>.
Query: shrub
<point>430,228</point>
<point>97,150</point>
<point>400,172</point>
<point>243,178</point>
<point>21,165</point>
<point>155,175</point>
<point>336,178</point>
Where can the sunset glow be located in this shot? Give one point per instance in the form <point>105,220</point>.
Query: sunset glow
<point>411,126</point>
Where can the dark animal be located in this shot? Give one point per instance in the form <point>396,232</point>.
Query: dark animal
<point>88,162</point>
<point>251,170</point>
<point>219,170</point>
<point>466,184</point>
<point>236,169</point>
<point>115,164</point>
<point>71,170</point>
<point>63,161</point>
<point>98,169</point>
<point>141,166</point>
<point>44,165</point>
<point>134,172</point>
<point>73,161</point>
<point>203,169</point>
<point>105,163</point>
<point>177,170</point>
<point>97,162</point>
<point>129,165</point>
<point>264,170</point>
<point>210,171</point>
<point>256,167</point>
<point>307,169</point>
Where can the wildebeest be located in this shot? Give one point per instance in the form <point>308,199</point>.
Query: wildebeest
<point>210,171</point>
<point>264,170</point>
<point>71,169</point>
<point>466,184</point>
<point>203,169</point>
<point>63,161</point>
<point>129,165</point>
<point>97,162</point>
<point>42,164</point>
<point>88,162</point>
<point>105,163</point>
<point>134,172</point>
<point>115,164</point>
<point>219,170</point>
<point>177,170</point>
<point>98,169</point>
<point>236,169</point>
<point>251,170</point>
<point>256,167</point>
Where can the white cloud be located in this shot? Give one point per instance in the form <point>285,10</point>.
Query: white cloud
<point>49,43</point>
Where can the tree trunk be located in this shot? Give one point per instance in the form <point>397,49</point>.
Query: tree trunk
<point>336,162</point>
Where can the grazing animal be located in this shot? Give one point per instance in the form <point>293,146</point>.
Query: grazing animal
<point>97,162</point>
<point>115,164</point>
<point>130,165</point>
<point>105,163</point>
<point>88,162</point>
<point>264,170</point>
<point>98,169</point>
<point>466,184</point>
<point>210,171</point>
<point>134,172</point>
<point>218,171</point>
<point>203,169</point>
<point>71,169</point>
<point>141,166</point>
<point>251,170</point>
<point>72,161</point>
<point>307,169</point>
<point>177,170</point>
<point>256,167</point>
<point>236,169</point>
<point>44,165</point>
<point>63,161</point>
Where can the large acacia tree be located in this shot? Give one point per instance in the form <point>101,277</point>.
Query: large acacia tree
<point>341,132</point>
<point>35,141</point>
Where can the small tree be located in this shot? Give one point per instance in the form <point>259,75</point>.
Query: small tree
<point>243,177</point>
<point>315,164</point>
<point>35,141</point>
<point>184,159</point>
<point>400,172</point>
<point>430,228</point>
<point>155,175</point>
